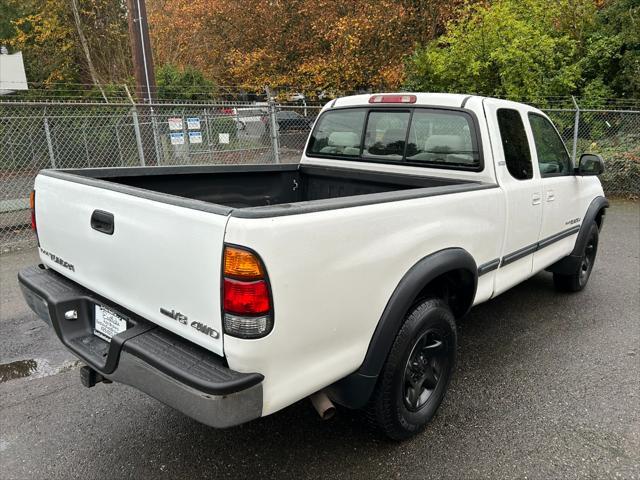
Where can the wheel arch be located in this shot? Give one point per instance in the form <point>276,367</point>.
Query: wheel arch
<point>450,272</point>
<point>595,213</point>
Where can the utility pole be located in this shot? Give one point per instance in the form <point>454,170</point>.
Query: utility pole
<point>145,78</point>
<point>141,50</point>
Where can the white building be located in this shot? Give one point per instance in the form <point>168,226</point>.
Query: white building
<point>12,75</point>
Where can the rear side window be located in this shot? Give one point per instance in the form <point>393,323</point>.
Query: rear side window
<point>338,133</point>
<point>515,144</point>
<point>417,136</point>
<point>553,159</point>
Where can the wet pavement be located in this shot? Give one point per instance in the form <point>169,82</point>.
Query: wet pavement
<point>547,386</point>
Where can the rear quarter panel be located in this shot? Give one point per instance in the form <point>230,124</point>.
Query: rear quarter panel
<point>332,273</point>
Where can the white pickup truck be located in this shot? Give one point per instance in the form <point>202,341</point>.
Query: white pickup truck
<point>231,292</point>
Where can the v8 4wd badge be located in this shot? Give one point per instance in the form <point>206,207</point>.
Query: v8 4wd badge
<point>206,329</point>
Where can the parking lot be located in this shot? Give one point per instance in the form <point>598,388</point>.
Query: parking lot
<point>547,386</point>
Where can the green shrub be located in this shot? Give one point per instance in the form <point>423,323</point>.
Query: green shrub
<point>223,125</point>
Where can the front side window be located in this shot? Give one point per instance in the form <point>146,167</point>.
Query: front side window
<point>338,133</point>
<point>418,136</point>
<point>553,158</point>
<point>515,144</point>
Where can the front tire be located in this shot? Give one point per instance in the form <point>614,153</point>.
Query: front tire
<point>415,377</point>
<point>577,281</point>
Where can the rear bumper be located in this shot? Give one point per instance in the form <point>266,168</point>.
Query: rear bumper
<point>159,363</point>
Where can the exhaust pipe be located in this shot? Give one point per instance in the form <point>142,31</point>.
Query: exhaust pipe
<point>325,407</point>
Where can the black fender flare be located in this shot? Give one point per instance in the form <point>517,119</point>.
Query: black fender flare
<point>570,264</point>
<point>355,390</point>
<point>597,205</point>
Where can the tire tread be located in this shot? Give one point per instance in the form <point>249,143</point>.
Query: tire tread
<point>379,412</point>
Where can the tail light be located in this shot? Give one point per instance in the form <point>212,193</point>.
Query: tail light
<point>32,207</point>
<point>246,297</point>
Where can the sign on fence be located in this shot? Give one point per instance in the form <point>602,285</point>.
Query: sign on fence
<point>195,137</point>
<point>175,123</point>
<point>177,138</point>
<point>193,123</point>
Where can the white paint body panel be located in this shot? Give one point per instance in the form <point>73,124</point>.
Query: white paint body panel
<point>331,272</point>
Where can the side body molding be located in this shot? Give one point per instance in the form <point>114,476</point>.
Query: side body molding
<point>570,263</point>
<point>355,390</point>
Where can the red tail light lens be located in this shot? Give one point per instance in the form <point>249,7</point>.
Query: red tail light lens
<point>32,206</point>
<point>246,298</point>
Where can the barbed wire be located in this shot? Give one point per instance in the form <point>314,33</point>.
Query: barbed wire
<point>236,93</point>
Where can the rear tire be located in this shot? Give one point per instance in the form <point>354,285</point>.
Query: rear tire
<point>415,377</point>
<point>577,281</point>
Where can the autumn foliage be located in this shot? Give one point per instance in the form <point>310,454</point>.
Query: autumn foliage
<point>521,49</point>
<point>324,45</point>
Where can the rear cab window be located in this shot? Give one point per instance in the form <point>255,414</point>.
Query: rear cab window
<point>428,137</point>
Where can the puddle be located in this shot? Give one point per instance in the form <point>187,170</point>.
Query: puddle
<point>32,367</point>
<point>19,369</point>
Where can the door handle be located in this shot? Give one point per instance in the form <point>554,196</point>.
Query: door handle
<point>536,199</point>
<point>551,196</point>
<point>102,221</point>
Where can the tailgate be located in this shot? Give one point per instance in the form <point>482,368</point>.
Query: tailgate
<point>159,258</point>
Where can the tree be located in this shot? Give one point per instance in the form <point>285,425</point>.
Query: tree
<point>611,63</point>
<point>47,33</point>
<point>307,45</point>
<point>521,49</point>
<point>184,84</point>
<point>9,12</point>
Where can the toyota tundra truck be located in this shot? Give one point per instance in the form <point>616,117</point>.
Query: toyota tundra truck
<point>231,292</point>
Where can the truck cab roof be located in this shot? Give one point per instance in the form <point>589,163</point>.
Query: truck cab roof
<point>433,99</point>
<point>449,100</point>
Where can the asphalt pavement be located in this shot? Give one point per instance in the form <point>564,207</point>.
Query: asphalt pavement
<point>547,386</point>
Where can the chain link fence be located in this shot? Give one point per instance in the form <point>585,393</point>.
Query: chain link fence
<point>614,134</point>
<point>37,135</point>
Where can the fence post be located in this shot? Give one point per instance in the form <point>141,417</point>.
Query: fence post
<point>136,128</point>
<point>156,140</point>
<point>186,148</point>
<point>208,130</point>
<point>84,139</point>
<point>119,143</point>
<point>576,127</point>
<point>49,143</point>
<point>273,124</point>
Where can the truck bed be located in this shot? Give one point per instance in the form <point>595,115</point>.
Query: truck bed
<point>248,187</point>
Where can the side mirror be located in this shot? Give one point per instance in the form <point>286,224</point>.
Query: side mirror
<point>590,164</point>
